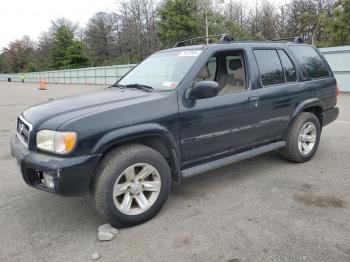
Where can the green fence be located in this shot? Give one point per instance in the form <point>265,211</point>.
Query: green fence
<point>339,60</point>
<point>93,75</point>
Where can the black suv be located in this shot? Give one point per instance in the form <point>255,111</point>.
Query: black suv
<point>180,112</point>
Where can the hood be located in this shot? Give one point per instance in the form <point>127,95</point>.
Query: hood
<point>64,109</point>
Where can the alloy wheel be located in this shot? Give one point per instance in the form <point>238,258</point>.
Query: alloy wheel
<point>137,189</point>
<point>307,138</point>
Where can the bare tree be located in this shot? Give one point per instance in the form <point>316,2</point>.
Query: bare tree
<point>262,21</point>
<point>19,53</point>
<point>101,37</point>
<point>137,32</point>
<point>62,21</point>
<point>308,18</point>
<point>236,11</point>
<point>42,51</point>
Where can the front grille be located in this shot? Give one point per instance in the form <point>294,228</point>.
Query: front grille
<point>23,131</point>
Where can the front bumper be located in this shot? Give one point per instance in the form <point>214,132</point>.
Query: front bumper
<point>329,115</point>
<point>71,175</point>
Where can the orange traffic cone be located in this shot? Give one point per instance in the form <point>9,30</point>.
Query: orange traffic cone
<point>42,84</point>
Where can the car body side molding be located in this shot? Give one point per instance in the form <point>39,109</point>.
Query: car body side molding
<point>231,159</point>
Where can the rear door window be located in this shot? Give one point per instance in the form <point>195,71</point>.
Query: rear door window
<point>270,67</point>
<point>313,63</point>
<point>288,66</point>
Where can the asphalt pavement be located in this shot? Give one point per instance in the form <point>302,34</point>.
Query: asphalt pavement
<point>261,209</point>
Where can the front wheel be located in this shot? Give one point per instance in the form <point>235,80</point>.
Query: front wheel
<point>303,138</point>
<point>131,185</point>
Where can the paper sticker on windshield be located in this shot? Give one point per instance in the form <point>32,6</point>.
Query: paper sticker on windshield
<point>170,84</point>
<point>190,53</point>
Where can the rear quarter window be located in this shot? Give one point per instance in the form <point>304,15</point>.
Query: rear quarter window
<point>313,63</point>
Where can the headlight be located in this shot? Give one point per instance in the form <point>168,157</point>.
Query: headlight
<point>55,141</point>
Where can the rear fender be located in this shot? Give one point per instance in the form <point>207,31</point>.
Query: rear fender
<point>303,106</point>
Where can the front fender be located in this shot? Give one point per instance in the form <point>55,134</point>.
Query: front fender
<point>125,134</point>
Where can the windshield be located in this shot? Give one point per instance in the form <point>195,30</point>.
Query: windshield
<point>162,71</point>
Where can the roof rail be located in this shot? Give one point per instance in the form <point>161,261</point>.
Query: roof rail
<point>226,39</point>
<point>223,39</point>
<point>295,39</point>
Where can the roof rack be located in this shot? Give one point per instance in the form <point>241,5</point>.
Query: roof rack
<point>295,39</point>
<point>223,39</point>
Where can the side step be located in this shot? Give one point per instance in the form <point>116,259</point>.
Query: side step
<point>231,159</point>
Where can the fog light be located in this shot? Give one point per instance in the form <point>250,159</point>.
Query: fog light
<point>48,181</point>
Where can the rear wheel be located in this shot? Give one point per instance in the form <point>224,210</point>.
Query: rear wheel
<point>131,185</point>
<point>303,138</point>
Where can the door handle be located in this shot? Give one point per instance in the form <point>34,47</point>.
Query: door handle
<point>254,99</point>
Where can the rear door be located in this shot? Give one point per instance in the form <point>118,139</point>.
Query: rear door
<point>280,93</point>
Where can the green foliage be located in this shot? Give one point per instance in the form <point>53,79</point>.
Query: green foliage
<point>218,24</point>
<point>76,55</point>
<point>338,31</point>
<point>31,67</point>
<point>179,19</point>
<point>233,29</point>
<point>67,52</point>
<point>63,39</point>
<point>140,27</point>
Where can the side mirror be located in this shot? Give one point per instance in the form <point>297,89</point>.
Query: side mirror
<point>204,89</point>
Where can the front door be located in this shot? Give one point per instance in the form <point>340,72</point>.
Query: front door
<point>218,126</point>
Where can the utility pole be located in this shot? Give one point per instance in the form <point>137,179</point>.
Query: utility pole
<point>206,24</point>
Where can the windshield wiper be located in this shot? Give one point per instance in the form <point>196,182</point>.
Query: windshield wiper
<point>139,86</point>
<point>117,85</point>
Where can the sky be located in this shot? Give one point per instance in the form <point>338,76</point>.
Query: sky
<point>31,17</point>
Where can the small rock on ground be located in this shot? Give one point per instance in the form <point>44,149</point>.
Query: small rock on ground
<point>95,256</point>
<point>106,232</point>
<point>108,228</point>
<point>105,236</point>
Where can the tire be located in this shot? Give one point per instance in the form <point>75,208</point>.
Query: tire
<point>121,170</point>
<point>299,146</point>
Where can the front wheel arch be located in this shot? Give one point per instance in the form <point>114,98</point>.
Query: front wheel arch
<point>111,167</point>
<point>154,141</point>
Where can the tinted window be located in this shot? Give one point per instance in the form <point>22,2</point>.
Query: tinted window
<point>312,61</point>
<point>288,66</point>
<point>269,66</point>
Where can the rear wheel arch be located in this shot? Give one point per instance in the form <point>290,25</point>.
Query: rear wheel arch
<point>293,150</point>
<point>312,105</point>
<point>317,111</point>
